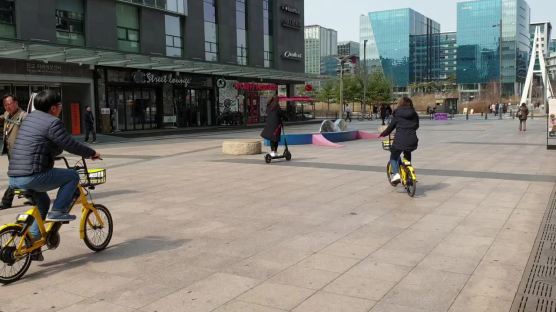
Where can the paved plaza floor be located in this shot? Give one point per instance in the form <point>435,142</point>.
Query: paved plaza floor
<point>196,230</point>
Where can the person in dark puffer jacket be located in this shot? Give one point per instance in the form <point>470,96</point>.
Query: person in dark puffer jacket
<point>41,138</point>
<point>406,122</point>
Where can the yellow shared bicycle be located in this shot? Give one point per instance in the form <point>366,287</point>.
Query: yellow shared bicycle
<point>407,172</point>
<point>17,245</point>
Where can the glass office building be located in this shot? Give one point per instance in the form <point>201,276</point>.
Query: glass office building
<point>493,43</point>
<point>389,44</point>
<point>448,56</point>
<point>320,42</point>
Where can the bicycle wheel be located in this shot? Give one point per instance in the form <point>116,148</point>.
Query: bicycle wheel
<point>389,174</point>
<point>12,269</point>
<point>97,237</point>
<point>410,183</point>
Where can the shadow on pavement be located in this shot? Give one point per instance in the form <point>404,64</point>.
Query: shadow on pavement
<point>125,250</point>
<point>422,189</point>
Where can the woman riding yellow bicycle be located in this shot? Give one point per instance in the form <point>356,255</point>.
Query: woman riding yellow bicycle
<point>406,122</point>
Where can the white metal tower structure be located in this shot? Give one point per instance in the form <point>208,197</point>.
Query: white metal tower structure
<point>537,52</point>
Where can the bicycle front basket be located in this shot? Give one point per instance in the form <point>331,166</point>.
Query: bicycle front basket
<point>386,144</point>
<point>95,177</point>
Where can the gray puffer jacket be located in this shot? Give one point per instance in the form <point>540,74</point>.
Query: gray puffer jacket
<point>41,138</point>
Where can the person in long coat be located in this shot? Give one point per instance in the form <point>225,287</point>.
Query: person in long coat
<point>406,122</point>
<point>273,127</point>
<point>522,113</point>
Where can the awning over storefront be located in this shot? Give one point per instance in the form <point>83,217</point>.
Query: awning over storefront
<point>297,99</point>
<point>54,53</point>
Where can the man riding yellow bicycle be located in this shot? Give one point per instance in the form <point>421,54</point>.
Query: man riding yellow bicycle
<point>42,137</point>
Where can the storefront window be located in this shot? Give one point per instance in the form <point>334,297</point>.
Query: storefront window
<point>211,31</point>
<point>69,22</point>
<point>7,18</point>
<point>128,27</point>
<point>241,24</point>
<point>178,6</point>
<point>174,39</point>
<point>268,32</point>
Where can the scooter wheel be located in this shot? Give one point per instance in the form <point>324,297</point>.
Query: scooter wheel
<point>267,158</point>
<point>288,155</point>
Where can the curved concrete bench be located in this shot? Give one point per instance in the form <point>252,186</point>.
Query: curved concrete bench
<point>242,147</point>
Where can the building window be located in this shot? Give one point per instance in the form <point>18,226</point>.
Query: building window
<point>69,22</point>
<point>177,6</point>
<point>268,32</point>
<point>241,23</point>
<point>128,27</point>
<point>174,38</point>
<point>211,31</point>
<point>7,18</point>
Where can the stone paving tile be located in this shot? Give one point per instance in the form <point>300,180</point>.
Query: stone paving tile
<point>325,262</point>
<point>326,302</point>
<point>304,277</point>
<point>93,306</point>
<point>475,303</point>
<point>427,289</point>
<point>41,300</point>
<point>360,287</point>
<point>239,306</point>
<point>277,296</point>
<point>379,270</point>
<point>205,295</point>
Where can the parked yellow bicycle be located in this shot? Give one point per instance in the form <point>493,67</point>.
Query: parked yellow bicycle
<point>17,246</point>
<point>407,172</point>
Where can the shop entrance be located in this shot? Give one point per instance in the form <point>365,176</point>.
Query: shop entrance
<point>193,107</point>
<point>136,108</point>
<point>253,108</point>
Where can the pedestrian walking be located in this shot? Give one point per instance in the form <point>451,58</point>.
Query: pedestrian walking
<point>349,112</point>
<point>383,113</point>
<point>90,124</point>
<point>500,111</point>
<point>12,119</point>
<point>522,114</point>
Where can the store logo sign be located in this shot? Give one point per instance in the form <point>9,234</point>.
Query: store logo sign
<point>295,56</point>
<point>290,9</point>
<point>140,77</point>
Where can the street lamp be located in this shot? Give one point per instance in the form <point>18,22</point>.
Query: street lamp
<point>500,55</point>
<point>342,61</point>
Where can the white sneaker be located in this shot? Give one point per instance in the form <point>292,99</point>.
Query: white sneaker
<point>395,178</point>
<point>272,154</point>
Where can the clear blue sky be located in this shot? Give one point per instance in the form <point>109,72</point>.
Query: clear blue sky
<point>343,15</point>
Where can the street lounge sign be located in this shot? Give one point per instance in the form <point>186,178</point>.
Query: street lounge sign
<point>140,77</point>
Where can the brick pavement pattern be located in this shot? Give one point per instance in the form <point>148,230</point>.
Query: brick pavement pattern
<point>196,230</point>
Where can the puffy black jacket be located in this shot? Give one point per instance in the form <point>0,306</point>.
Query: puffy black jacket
<point>406,122</point>
<point>41,138</point>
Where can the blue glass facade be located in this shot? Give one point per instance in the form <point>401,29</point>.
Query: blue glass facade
<point>482,51</point>
<point>389,35</point>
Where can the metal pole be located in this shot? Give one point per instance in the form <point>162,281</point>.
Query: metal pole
<point>341,89</point>
<point>365,77</point>
<point>501,74</point>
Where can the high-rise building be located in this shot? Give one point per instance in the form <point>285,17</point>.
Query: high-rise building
<point>493,44</point>
<point>448,56</point>
<point>552,47</point>
<point>391,46</point>
<point>349,48</point>
<point>546,35</point>
<point>319,42</point>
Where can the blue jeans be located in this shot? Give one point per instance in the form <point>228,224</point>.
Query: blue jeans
<point>65,179</point>
<point>395,158</point>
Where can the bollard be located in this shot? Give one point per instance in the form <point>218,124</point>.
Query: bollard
<point>467,115</point>
<point>486,116</point>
